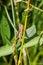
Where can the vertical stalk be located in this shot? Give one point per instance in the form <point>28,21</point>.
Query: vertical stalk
<point>13,16</point>
<point>13,12</point>
<point>22,40</point>
<point>24,56</point>
<point>28,5</point>
<point>15,59</point>
<point>8,17</point>
<point>17,14</point>
<point>5,60</point>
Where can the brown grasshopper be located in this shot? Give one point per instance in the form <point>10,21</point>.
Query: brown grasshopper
<point>19,34</point>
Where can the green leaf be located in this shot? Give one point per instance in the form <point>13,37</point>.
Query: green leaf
<point>41,40</point>
<point>5,30</point>
<point>4,37</point>
<point>5,27</point>
<point>5,50</point>
<point>31,31</point>
<point>32,42</point>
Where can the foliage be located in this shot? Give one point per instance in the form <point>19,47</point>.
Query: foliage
<point>21,32</point>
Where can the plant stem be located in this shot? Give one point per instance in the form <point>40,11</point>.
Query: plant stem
<point>11,59</point>
<point>9,18</point>
<point>22,40</point>
<point>13,16</point>
<point>33,6</point>
<point>36,8</point>
<point>13,11</point>
<point>5,60</point>
<point>17,14</point>
<point>28,6</point>
<point>16,59</point>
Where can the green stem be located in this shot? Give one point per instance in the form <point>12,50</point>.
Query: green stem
<point>5,60</point>
<point>13,11</point>
<point>17,14</point>
<point>10,19</point>
<point>23,38</point>
<point>11,59</point>
<point>13,16</point>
